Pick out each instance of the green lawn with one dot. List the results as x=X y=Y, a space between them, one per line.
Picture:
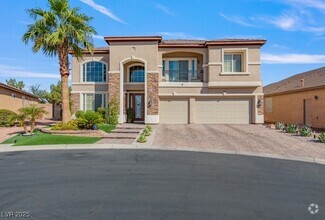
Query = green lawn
x=44 y=139
x=106 y=127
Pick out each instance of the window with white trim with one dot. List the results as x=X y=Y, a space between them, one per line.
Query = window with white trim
x=136 y=74
x=94 y=72
x=94 y=101
x=233 y=62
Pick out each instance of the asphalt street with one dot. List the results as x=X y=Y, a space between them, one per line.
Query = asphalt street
x=144 y=184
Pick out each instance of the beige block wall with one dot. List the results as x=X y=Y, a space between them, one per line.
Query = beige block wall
x=289 y=108
x=14 y=104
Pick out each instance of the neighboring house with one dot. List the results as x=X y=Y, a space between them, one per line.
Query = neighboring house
x=13 y=99
x=298 y=99
x=173 y=81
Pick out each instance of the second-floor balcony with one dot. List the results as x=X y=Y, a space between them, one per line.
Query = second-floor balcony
x=183 y=75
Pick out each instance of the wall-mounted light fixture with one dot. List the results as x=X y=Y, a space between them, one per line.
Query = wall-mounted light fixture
x=151 y=102
x=259 y=102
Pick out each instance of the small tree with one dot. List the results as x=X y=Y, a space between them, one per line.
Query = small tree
x=33 y=112
x=43 y=94
x=113 y=111
x=13 y=82
x=21 y=118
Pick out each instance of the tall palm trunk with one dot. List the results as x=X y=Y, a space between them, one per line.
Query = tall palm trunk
x=64 y=71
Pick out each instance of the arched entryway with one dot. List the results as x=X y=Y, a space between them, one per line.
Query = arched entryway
x=133 y=92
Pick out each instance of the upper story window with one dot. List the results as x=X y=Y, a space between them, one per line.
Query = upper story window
x=233 y=62
x=181 y=70
x=136 y=74
x=94 y=72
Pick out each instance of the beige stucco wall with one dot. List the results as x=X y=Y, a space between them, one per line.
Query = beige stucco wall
x=120 y=51
x=13 y=104
x=91 y=87
x=251 y=64
x=289 y=108
x=76 y=64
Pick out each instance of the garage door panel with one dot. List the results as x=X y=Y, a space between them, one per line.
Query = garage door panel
x=173 y=111
x=222 y=111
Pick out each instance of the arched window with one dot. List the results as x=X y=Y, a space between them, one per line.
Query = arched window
x=136 y=74
x=94 y=72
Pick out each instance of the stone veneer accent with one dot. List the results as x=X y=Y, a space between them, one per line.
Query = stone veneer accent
x=75 y=98
x=261 y=107
x=152 y=93
x=114 y=86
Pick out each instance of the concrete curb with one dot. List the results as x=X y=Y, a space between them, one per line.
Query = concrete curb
x=9 y=148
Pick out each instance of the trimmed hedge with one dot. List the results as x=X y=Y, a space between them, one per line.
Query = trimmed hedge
x=7 y=118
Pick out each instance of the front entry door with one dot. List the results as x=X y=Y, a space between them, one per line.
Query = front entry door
x=138 y=107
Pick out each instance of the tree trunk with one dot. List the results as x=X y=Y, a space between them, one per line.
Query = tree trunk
x=32 y=126
x=64 y=71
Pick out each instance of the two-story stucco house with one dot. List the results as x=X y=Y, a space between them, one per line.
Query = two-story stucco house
x=173 y=81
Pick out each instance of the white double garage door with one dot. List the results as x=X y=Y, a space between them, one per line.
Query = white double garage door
x=205 y=111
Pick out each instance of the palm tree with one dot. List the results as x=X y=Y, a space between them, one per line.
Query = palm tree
x=57 y=31
x=33 y=112
x=21 y=118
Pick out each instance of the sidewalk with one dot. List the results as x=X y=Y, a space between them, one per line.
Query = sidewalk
x=8 y=148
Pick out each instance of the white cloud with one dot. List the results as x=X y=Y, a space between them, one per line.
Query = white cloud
x=164 y=9
x=317 y=4
x=237 y=20
x=179 y=35
x=14 y=71
x=100 y=37
x=292 y=58
x=103 y=10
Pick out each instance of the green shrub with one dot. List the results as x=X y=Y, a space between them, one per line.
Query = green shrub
x=130 y=115
x=71 y=125
x=79 y=113
x=142 y=138
x=113 y=111
x=279 y=126
x=291 y=128
x=102 y=111
x=149 y=128
x=89 y=119
x=146 y=131
x=321 y=137
x=305 y=132
x=7 y=118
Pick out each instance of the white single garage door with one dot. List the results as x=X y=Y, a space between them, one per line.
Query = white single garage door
x=173 y=111
x=222 y=111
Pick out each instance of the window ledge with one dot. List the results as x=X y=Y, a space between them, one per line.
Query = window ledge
x=234 y=73
x=182 y=84
x=134 y=83
x=90 y=83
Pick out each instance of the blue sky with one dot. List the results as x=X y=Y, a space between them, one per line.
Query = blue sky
x=294 y=29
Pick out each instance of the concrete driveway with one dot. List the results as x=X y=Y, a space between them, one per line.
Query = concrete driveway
x=241 y=138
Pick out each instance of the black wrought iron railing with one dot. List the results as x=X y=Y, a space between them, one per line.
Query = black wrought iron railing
x=183 y=75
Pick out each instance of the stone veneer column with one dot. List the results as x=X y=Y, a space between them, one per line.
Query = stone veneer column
x=152 y=98
x=114 y=86
x=75 y=98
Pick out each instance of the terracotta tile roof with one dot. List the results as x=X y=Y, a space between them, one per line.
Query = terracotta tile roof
x=14 y=89
x=302 y=81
